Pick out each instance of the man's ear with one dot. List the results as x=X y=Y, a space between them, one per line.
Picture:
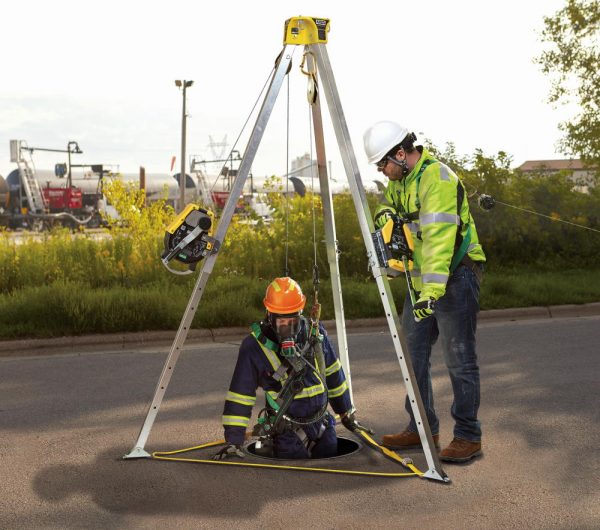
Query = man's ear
x=400 y=154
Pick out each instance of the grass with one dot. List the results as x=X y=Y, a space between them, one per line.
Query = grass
x=74 y=308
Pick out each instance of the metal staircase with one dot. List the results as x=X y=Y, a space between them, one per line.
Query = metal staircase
x=35 y=197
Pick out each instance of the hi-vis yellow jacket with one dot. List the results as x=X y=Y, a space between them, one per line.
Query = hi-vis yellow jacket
x=433 y=198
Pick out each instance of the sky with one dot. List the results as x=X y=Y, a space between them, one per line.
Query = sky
x=103 y=74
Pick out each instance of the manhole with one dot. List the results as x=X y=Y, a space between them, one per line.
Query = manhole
x=346 y=447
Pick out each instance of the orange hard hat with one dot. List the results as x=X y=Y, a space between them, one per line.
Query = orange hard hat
x=284 y=297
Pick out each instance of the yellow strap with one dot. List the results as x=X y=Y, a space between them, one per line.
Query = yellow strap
x=166 y=455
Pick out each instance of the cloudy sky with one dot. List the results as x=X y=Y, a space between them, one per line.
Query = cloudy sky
x=103 y=74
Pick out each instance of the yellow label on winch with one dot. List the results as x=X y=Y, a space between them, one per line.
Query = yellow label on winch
x=306 y=30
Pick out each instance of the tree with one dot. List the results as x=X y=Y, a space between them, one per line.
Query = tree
x=572 y=60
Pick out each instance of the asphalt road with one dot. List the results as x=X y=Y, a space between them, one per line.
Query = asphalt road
x=66 y=420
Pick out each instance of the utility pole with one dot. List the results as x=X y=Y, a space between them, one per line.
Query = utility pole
x=183 y=85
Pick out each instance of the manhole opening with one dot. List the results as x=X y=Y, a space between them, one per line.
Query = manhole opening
x=346 y=447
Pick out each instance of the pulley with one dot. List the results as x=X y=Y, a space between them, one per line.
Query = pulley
x=188 y=239
x=486 y=202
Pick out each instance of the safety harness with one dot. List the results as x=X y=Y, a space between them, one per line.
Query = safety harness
x=462 y=243
x=274 y=419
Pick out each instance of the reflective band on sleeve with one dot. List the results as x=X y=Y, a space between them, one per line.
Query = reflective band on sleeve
x=415 y=273
x=333 y=368
x=435 y=278
x=472 y=246
x=240 y=398
x=444 y=175
x=338 y=391
x=236 y=421
x=413 y=227
x=429 y=218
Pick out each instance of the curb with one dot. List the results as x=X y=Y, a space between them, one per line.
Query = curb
x=115 y=342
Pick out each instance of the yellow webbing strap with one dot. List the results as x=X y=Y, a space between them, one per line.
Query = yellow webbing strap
x=167 y=455
x=388 y=453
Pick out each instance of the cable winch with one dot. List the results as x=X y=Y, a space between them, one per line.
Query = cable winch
x=188 y=238
x=394 y=246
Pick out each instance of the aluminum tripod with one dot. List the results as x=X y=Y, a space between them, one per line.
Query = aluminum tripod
x=312 y=33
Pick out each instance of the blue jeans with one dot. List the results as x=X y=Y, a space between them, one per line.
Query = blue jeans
x=455 y=321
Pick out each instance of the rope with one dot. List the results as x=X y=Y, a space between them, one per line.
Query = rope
x=168 y=455
x=287 y=178
x=271 y=73
x=547 y=216
x=314 y=215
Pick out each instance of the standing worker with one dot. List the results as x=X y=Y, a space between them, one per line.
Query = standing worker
x=292 y=359
x=448 y=268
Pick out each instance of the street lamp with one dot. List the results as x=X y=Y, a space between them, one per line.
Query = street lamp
x=183 y=85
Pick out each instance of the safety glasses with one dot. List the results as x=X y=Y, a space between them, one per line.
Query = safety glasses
x=382 y=163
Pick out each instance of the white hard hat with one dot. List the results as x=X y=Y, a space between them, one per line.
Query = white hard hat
x=381 y=137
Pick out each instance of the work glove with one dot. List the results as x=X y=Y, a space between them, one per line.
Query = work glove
x=382 y=218
x=230 y=450
x=352 y=424
x=423 y=308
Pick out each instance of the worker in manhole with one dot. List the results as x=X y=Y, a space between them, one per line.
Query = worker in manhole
x=290 y=357
x=448 y=266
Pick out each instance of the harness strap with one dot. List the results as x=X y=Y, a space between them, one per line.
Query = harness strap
x=460 y=249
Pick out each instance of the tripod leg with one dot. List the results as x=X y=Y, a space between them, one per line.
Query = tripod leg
x=330 y=236
x=236 y=190
x=367 y=227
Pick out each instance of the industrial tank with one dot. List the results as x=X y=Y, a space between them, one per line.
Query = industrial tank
x=4 y=193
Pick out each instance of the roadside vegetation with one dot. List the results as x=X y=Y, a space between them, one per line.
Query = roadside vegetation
x=65 y=285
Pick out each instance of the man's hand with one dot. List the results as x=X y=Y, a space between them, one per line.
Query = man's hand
x=229 y=451
x=352 y=424
x=382 y=218
x=423 y=308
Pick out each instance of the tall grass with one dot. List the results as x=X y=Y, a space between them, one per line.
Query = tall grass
x=76 y=308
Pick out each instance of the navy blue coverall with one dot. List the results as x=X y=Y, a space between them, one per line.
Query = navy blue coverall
x=255 y=367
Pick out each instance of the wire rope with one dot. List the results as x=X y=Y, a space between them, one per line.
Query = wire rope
x=548 y=216
x=287 y=178
x=271 y=73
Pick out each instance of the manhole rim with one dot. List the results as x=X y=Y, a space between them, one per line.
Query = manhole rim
x=359 y=447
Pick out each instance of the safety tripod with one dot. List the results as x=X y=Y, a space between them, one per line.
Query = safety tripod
x=312 y=34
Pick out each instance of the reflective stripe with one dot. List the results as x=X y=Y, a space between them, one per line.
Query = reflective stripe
x=333 y=368
x=275 y=286
x=338 y=391
x=413 y=227
x=240 y=398
x=236 y=421
x=444 y=174
x=271 y=355
x=431 y=277
x=472 y=246
x=310 y=391
x=415 y=273
x=305 y=393
x=438 y=217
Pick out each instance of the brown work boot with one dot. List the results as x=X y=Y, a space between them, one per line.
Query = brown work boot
x=460 y=450
x=406 y=440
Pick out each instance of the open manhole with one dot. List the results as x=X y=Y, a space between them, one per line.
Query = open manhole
x=346 y=447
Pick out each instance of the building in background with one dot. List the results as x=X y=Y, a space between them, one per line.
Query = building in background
x=583 y=176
